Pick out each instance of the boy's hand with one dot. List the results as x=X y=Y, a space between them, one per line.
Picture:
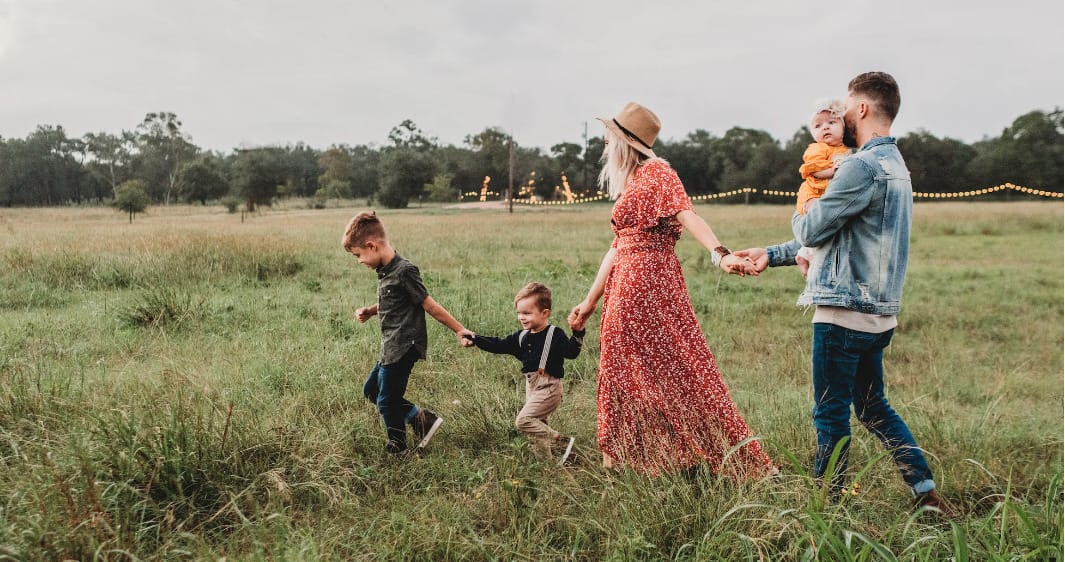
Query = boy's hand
x=572 y=321
x=365 y=313
x=465 y=337
x=580 y=315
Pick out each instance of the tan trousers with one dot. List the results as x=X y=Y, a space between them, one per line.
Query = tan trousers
x=543 y=395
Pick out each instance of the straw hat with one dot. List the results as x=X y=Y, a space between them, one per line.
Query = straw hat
x=637 y=126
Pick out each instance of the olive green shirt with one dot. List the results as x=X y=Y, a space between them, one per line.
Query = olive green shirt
x=400 y=294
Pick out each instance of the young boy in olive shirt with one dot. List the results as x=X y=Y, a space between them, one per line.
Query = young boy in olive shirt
x=402 y=301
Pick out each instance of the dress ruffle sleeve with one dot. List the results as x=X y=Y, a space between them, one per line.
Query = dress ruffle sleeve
x=656 y=193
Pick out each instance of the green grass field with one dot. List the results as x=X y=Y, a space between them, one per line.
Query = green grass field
x=188 y=386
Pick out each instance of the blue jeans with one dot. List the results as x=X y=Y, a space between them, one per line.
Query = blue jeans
x=385 y=387
x=848 y=367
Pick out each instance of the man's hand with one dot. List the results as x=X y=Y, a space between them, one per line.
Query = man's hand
x=803 y=263
x=739 y=265
x=758 y=256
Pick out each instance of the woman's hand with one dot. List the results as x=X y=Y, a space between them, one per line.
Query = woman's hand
x=580 y=314
x=737 y=265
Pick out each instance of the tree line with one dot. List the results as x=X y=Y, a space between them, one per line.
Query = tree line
x=157 y=162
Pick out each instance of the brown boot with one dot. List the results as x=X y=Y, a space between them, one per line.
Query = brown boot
x=934 y=500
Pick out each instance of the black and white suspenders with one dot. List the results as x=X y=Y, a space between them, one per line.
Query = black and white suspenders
x=547 y=346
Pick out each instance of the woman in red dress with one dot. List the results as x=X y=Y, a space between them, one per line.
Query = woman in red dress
x=662 y=405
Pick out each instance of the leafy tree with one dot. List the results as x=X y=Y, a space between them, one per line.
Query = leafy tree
x=692 y=159
x=1032 y=149
x=404 y=173
x=743 y=155
x=492 y=148
x=408 y=135
x=256 y=175
x=162 y=147
x=937 y=164
x=441 y=189
x=364 y=175
x=109 y=157
x=567 y=156
x=592 y=156
x=131 y=197
x=337 y=169
x=301 y=170
x=202 y=179
x=785 y=176
x=43 y=169
x=462 y=166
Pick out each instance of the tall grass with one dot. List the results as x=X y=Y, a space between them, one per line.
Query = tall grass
x=189 y=387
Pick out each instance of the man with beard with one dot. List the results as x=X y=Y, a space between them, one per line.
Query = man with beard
x=860 y=232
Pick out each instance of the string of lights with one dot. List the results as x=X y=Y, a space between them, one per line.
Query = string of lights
x=989 y=190
x=780 y=193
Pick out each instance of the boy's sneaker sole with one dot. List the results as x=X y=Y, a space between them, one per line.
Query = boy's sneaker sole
x=432 y=431
x=567 y=452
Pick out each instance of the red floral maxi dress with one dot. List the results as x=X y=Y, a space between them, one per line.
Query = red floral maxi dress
x=662 y=405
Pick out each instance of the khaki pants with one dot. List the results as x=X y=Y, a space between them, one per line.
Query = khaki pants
x=543 y=395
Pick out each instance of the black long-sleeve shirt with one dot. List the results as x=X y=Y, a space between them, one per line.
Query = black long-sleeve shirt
x=531 y=349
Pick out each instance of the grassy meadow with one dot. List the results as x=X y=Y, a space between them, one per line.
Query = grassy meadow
x=188 y=387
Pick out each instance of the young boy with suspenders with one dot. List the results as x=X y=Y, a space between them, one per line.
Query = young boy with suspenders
x=542 y=349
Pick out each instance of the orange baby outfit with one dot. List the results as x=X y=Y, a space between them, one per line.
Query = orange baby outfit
x=662 y=404
x=818 y=157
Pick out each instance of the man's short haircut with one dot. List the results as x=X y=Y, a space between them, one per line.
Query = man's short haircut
x=880 y=89
x=365 y=226
x=538 y=290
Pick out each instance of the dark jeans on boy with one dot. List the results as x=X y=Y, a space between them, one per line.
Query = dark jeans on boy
x=848 y=368
x=385 y=387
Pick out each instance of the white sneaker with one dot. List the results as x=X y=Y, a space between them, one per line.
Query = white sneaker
x=567 y=452
x=430 y=419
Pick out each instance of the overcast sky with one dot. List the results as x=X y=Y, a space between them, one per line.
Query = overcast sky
x=325 y=72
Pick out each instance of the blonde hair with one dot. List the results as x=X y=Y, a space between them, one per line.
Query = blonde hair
x=365 y=226
x=619 y=162
x=538 y=290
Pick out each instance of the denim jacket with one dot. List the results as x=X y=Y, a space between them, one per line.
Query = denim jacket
x=860 y=232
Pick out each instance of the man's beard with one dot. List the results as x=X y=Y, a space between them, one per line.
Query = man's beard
x=850 y=139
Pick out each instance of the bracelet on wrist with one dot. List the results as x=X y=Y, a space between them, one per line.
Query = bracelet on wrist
x=718 y=253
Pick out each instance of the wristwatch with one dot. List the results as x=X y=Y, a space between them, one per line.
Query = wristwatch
x=718 y=253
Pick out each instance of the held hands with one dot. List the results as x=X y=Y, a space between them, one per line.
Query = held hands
x=739 y=265
x=465 y=337
x=580 y=315
x=758 y=257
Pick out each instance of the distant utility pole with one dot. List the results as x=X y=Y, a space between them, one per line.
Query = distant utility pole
x=510 y=175
x=584 y=159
